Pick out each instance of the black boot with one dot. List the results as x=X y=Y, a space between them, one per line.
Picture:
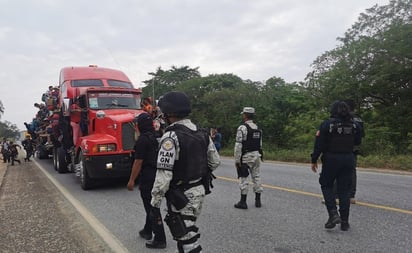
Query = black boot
x=242 y=203
x=146 y=235
x=344 y=226
x=334 y=219
x=156 y=245
x=257 y=200
x=344 y=216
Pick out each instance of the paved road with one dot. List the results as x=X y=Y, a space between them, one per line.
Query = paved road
x=291 y=219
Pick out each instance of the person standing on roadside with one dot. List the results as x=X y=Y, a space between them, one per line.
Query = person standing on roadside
x=145 y=153
x=335 y=140
x=5 y=150
x=248 y=154
x=216 y=137
x=28 y=145
x=186 y=158
x=14 y=152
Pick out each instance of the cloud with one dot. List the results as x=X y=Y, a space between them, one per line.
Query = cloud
x=255 y=40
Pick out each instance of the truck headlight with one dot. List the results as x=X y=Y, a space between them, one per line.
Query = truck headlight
x=105 y=148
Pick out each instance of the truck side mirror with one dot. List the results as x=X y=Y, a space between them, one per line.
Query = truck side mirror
x=66 y=107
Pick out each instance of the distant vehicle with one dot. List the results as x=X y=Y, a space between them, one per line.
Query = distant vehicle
x=97 y=133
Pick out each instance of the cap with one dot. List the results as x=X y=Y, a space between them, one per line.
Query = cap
x=248 y=110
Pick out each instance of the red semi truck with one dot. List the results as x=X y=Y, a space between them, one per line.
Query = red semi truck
x=97 y=132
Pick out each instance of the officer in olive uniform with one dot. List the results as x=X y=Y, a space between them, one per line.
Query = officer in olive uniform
x=335 y=140
x=248 y=153
x=185 y=160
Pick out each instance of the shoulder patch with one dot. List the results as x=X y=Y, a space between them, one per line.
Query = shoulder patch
x=318 y=133
x=167 y=144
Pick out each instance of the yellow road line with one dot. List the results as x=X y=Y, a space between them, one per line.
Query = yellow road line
x=387 y=208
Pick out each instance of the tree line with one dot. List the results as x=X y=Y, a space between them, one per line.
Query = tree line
x=372 y=65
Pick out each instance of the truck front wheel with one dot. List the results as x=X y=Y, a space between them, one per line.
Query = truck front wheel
x=55 y=163
x=61 y=163
x=85 y=181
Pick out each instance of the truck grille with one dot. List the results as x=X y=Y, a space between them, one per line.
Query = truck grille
x=128 y=136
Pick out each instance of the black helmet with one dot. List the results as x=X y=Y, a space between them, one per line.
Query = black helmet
x=175 y=102
x=144 y=122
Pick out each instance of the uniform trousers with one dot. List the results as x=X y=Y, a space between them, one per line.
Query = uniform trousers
x=189 y=242
x=252 y=159
x=149 y=227
x=339 y=167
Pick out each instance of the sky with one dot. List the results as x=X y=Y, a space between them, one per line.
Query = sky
x=253 y=39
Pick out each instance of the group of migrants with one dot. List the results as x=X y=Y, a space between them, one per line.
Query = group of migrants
x=9 y=151
x=43 y=129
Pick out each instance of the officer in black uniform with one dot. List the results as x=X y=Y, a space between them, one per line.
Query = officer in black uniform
x=145 y=153
x=335 y=140
x=185 y=160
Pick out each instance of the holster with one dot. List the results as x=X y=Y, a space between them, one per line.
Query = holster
x=177 y=198
x=243 y=170
x=207 y=181
x=176 y=224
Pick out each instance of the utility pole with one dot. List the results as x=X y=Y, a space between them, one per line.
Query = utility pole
x=153 y=93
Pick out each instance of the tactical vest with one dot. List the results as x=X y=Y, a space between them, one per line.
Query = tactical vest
x=192 y=163
x=341 y=136
x=253 y=140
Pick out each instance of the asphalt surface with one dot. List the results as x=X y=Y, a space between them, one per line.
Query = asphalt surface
x=34 y=217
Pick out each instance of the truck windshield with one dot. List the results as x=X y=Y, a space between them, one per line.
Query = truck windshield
x=113 y=100
x=87 y=83
x=115 y=83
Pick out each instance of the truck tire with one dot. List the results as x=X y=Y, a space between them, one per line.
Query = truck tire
x=61 y=162
x=85 y=181
x=55 y=158
x=42 y=152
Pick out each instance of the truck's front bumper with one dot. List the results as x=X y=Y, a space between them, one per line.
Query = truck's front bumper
x=108 y=166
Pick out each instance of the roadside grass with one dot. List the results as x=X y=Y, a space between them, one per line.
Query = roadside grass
x=396 y=162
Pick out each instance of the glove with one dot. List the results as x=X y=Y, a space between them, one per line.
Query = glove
x=154 y=215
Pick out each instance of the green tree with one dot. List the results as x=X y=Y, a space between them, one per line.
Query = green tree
x=373 y=67
x=8 y=130
x=281 y=105
x=1 y=109
x=217 y=101
x=164 y=81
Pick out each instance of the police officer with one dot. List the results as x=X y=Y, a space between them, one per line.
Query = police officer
x=248 y=152
x=145 y=153
x=335 y=140
x=186 y=157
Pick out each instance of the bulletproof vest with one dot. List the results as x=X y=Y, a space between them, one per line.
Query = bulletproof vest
x=253 y=140
x=192 y=163
x=341 y=136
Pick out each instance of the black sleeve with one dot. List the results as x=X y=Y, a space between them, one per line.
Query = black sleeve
x=140 y=147
x=320 y=142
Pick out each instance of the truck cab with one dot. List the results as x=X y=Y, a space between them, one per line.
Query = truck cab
x=96 y=121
